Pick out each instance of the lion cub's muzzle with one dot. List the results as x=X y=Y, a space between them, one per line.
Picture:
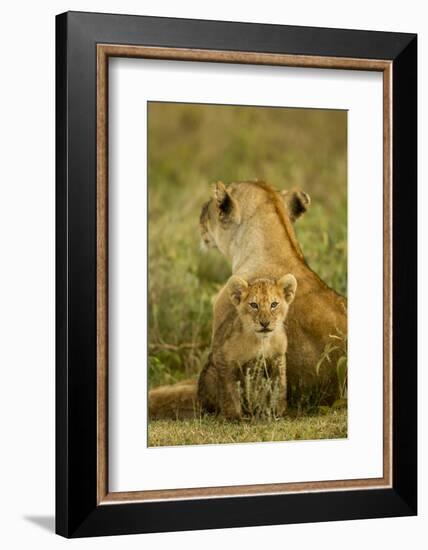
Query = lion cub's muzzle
x=265 y=327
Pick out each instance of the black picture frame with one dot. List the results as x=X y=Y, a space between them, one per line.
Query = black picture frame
x=77 y=511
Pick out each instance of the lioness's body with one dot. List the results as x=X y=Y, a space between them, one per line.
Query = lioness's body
x=175 y=401
x=252 y=332
x=251 y=224
x=261 y=242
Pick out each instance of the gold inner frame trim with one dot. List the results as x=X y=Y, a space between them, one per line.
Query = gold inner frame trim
x=104 y=51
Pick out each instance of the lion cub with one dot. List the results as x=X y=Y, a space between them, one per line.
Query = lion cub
x=254 y=330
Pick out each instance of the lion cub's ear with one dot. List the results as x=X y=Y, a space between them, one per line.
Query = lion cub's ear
x=296 y=201
x=227 y=208
x=288 y=284
x=237 y=289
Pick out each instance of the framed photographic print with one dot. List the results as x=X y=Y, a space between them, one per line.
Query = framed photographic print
x=236 y=274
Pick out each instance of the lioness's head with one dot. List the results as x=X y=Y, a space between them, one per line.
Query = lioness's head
x=262 y=304
x=233 y=206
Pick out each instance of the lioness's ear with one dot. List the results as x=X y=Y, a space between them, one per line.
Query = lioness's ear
x=237 y=289
x=297 y=202
x=288 y=284
x=227 y=208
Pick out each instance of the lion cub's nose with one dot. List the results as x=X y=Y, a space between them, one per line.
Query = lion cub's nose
x=264 y=324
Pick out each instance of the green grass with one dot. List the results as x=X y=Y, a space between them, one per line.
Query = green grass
x=209 y=430
x=190 y=147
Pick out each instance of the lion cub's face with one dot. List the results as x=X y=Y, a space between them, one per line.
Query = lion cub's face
x=262 y=304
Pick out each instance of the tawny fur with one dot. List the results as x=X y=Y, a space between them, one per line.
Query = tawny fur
x=178 y=401
x=251 y=224
x=253 y=331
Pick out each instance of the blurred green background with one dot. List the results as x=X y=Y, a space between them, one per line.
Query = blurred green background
x=189 y=147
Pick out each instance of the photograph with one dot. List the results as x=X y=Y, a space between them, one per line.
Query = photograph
x=235 y=276
x=212 y=286
x=247 y=273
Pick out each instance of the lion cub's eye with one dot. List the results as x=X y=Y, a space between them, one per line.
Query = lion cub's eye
x=254 y=305
x=274 y=305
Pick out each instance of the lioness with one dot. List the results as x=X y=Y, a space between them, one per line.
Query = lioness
x=251 y=224
x=253 y=330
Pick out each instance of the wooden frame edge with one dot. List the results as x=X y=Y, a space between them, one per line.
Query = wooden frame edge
x=102 y=274
x=248 y=58
x=387 y=274
x=103 y=52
